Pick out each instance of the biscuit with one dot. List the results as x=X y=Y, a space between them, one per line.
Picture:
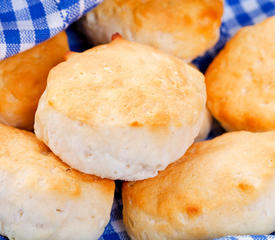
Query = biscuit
x=23 y=79
x=225 y=186
x=241 y=80
x=121 y=110
x=185 y=28
x=42 y=198
x=206 y=126
x=206 y=122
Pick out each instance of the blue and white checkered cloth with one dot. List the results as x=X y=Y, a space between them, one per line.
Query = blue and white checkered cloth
x=24 y=23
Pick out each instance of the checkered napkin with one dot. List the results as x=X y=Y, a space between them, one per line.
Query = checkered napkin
x=25 y=23
x=28 y=22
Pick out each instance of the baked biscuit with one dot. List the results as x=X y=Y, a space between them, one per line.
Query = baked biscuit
x=206 y=126
x=42 y=198
x=23 y=79
x=185 y=28
x=121 y=110
x=206 y=122
x=225 y=186
x=241 y=80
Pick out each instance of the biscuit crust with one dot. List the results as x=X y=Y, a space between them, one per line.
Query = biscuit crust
x=125 y=106
x=23 y=79
x=43 y=198
x=220 y=187
x=241 y=80
x=185 y=28
x=119 y=84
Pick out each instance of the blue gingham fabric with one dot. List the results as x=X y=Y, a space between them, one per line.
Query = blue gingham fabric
x=237 y=13
x=25 y=23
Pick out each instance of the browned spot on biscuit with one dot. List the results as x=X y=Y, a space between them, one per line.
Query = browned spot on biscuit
x=193 y=211
x=136 y=124
x=45 y=151
x=50 y=103
x=251 y=121
x=59 y=210
x=160 y=119
x=211 y=13
x=245 y=187
x=187 y=20
x=208 y=18
x=69 y=54
x=116 y=36
x=64 y=186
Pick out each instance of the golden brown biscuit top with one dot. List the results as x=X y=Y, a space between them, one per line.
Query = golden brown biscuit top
x=37 y=168
x=229 y=171
x=126 y=83
x=23 y=78
x=19 y=79
x=241 y=80
x=199 y=16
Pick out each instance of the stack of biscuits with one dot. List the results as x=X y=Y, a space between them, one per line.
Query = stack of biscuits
x=133 y=108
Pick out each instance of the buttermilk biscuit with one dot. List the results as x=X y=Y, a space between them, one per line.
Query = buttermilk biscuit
x=241 y=80
x=206 y=125
x=23 y=79
x=225 y=186
x=185 y=28
x=42 y=198
x=121 y=110
x=206 y=122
